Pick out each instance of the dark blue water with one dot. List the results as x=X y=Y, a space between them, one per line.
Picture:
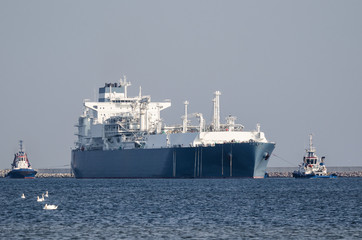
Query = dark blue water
x=182 y=208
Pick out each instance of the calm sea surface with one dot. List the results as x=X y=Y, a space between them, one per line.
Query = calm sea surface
x=182 y=208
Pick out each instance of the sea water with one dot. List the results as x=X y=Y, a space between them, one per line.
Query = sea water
x=182 y=208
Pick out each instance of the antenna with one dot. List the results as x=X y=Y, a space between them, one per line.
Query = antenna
x=21 y=145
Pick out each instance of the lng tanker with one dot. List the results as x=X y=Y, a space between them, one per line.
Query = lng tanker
x=125 y=137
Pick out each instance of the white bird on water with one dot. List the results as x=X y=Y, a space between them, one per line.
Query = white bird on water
x=39 y=199
x=46 y=194
x=50 y=207
x=23 y=196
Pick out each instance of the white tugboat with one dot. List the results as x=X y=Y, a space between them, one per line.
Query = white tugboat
x=21 y=166
x=312 y=166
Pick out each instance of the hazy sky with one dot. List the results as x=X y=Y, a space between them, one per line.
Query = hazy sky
x=295 y=67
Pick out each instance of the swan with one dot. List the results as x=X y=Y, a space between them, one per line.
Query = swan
x=23 y=196
x=46 y=194
x=39 y=199
x=50 y=207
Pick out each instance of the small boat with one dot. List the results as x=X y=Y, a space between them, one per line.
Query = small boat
x=20 y=168
x=312 y=166
x=50 y=207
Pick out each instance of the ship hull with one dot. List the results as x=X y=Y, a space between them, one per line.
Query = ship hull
x=229 y=160
x=22 y=173
x=301 y=175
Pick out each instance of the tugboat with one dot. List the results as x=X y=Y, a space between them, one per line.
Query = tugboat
x=312 y=166
x=21 y=167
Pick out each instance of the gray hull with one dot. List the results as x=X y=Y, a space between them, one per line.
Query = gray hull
x=222 y=160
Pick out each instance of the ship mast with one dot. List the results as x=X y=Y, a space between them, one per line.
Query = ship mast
x=311 y=148
x=184 y=123
x=125 y=84
x=21 y=145
x=216 y=118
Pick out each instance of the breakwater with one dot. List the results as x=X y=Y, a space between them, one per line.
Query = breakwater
x=339 y=174
x=45 y=173
x=274 y=172
x=54 y=175
x=286 y=172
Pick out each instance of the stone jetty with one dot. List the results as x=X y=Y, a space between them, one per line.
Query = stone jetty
x=339 y=174
x=3 y=173
x=285 y=173
x=45 y=173
x=54 y=175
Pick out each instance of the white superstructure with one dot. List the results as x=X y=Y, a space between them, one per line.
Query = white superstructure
x=21 y=159
x=312 y=165
x=117 y=121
